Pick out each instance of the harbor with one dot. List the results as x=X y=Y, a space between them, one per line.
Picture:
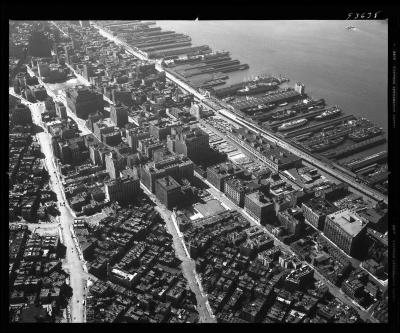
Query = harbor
x=199 y=65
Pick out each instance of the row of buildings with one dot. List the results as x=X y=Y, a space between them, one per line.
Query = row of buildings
x=38 y=287
x=139 y=277
x=249 y=279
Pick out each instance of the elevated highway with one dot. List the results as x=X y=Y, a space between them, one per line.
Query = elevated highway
x=222 y=109
x=329 y=169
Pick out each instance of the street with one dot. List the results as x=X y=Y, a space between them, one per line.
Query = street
x=310 y=159
x=332 y=288
x=72 y=263
x=188 y=265
x=215 y=104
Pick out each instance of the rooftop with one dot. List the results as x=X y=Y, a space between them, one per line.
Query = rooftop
x=349 y=221
x=259 y=199
x=320 y=206
x=225 y=168
x=168 y=183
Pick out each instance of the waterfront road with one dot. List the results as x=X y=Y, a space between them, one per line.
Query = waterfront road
x=73 y=265
x=137 y=53
x=188 y=265
x=219 y=107
x=340 y=175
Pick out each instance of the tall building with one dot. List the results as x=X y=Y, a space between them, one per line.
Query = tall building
x=124 y=189
x=176 y=166
x=293 y=220
x=316 y=210
x=43 y=69
x=191 y=142
x=260 y=207
x=112 y=138
x=119 y=115
x=87 y=71
x=159 y=129
x=83 y=101
x=148 y=146
x=102 y=127
x=168 y=191
x=112 y=165
x=21 y=115
x=61 y=110
x=133 y=136
x=218 y=174
x=95 y=154
x=347 y=230
x=236 y=189
x=92 y=119
x=67 y=54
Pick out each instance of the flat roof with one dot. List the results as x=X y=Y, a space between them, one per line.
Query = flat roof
x=255 y=197
x=209 y=208
x=168 y=182
x=349 y=221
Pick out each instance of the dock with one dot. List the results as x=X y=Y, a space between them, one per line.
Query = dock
x=357 y=147
x=316 y=127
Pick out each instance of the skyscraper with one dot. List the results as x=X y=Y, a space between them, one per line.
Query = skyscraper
x=119 y=115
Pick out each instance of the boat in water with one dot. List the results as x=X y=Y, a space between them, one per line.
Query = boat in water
x=365 y=133
x=281 y=115
x=257 y=88
x=327 y=144
x=328 y=114
x=307 y=103
x=350 y=27
x=292 y=124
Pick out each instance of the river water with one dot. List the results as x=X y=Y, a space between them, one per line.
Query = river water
x=347 y=68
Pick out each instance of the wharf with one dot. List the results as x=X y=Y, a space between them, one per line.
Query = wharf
x=308 y=116
x=210 y=69
x=231 y=90
x=374 y=158
x=316 y=127
x=282 y=96
x=165 y=46
x=354 y=148
x=378 y=178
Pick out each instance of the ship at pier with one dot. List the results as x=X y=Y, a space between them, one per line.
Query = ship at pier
x=292 y=124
